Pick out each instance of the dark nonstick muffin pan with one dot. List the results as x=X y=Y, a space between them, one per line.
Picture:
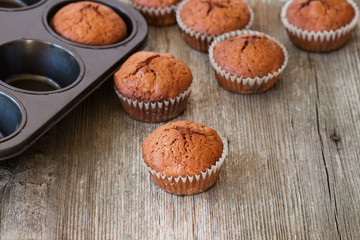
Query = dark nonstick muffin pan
x=43 y=76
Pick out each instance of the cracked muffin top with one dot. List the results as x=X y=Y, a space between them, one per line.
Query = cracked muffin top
x=182 y=148
x=89 y=23
x=214 y=17
x=151 y=77
x=249 y=55
x=320 y=15
x=156 y=3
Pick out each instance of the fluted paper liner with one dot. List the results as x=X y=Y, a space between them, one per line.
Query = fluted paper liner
x=189 y=185
x=197 y=40
x=236 y=83
x=157 y=16
x=319 y=41
x=155 y=111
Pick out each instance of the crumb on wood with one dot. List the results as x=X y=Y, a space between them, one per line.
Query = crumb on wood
x=255 y=4
x=335 y=138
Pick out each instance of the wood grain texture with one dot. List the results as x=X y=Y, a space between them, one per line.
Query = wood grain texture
x=293 y=169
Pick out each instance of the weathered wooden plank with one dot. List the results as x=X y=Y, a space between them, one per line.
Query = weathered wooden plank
x=292 y=171
x=337 y=129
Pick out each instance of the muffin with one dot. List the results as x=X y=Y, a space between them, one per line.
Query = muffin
x=153 y=87
x=184 y=150
x=89 y=23
x=247 y=61
x=157 y=12
x=319 y=26
x=201 y=21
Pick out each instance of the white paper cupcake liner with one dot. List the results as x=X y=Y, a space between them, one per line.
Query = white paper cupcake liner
x=322 y=36
x=199 y=36
x=155 y=11
x=190 y=184
x=241 y=80
x=155 y=111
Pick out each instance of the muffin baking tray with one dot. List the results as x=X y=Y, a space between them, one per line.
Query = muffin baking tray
x=42 y=76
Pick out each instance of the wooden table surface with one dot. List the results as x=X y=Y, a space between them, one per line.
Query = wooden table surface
x=292 y=171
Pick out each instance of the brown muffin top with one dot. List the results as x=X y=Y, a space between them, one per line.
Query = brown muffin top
x=320 y=15
x=182 y=148
x=156 y=3
x=89 y=23
x=249 y=55
x=151 y=77
x=214 y=17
